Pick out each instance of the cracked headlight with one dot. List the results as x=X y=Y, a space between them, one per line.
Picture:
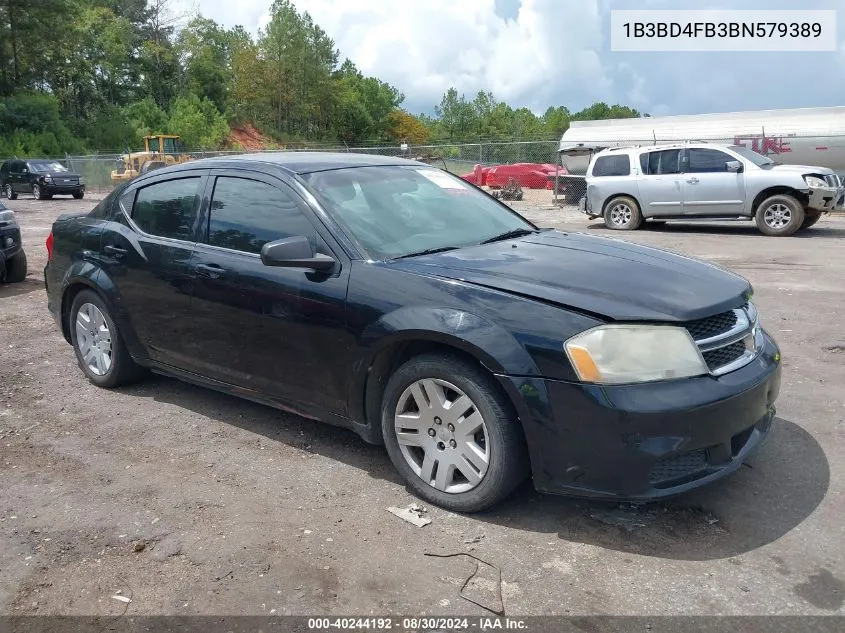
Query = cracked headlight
x=616 y=354
x=814 y=182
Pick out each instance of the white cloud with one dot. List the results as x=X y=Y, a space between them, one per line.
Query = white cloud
x=553 y=52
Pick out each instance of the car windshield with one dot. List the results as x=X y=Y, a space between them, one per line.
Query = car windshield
x=45 y=167
x=396 y=211
x=754 y=157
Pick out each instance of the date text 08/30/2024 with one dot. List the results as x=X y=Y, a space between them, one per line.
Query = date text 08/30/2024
x=417 y=624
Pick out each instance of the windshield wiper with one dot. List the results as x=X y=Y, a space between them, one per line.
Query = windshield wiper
x=508 y=235
x=428 y=251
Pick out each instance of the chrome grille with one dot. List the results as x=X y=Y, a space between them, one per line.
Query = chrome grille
x=712 y=326
x=728 y=340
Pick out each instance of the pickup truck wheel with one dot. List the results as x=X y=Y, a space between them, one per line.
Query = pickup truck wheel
x=11 y=195
x=38 y=193
x=78 y=195
x=16 y=268
x=779 y=216
x=810 y=220
x=622 y=214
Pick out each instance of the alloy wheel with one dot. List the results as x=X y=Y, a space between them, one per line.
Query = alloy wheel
x=442 y=435
x=777 y=216
x=93 y=339
x=621 y=214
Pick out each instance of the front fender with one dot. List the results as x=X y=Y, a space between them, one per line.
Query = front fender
x=490 y=343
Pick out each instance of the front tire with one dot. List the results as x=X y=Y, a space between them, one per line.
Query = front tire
x=78 y=195
x=100 y=350
x=452 y=434
x=11 y=195
x=16 y=268
x=622 y=213
x=38 y=192
x=779 y=216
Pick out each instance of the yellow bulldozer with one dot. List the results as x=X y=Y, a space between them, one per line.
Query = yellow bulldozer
x=160 y=150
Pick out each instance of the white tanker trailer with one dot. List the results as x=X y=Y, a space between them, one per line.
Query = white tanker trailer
x=803 y=136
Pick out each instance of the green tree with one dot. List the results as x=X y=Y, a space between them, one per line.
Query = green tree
x=198 y=122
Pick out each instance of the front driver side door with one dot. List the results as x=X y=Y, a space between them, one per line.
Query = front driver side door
x=709 y=188
x=280 y=332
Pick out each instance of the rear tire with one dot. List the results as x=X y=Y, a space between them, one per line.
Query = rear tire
x=11 y=195
x=16 y=268
x=431 y=457
x=622 y=213
x=779 y=215
x=91 y=325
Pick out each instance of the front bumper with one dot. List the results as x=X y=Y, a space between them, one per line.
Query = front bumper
x=824 y=199
x=60 y=188
x=645 y=441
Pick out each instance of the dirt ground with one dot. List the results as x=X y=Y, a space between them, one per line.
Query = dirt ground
x=239 y=509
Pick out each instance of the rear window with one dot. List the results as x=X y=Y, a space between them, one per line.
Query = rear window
x=167 y=208
x=614 y=165
x=661 y=162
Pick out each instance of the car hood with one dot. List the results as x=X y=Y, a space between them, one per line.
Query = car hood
x=601 y=276
x=804 y=169
x=57 y=174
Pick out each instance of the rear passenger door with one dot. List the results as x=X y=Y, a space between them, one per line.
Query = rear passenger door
x=660 y=184
x=277 y=331
x=145 y=252
x=709 y=188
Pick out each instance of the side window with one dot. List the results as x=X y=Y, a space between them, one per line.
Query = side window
x=246 y=214
x=707 y=160
x=613 y=165
x=167 y=208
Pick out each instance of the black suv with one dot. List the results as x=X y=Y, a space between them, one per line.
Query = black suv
x=12 y=257
x=42 y=178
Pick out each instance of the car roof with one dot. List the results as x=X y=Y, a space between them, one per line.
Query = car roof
x=300 y=162
x=667 y=146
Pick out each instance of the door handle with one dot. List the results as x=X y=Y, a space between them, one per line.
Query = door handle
x=111 y=249
x=693 y=180
x=212 y=271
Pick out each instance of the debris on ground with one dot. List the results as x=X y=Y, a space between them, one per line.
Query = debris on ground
x=498 y=605
x=121 y=598
x=139 y=545
x=413 y=514
x=474 y=539
x=628 y=517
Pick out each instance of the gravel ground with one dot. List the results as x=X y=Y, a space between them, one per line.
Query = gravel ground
x=187 y=501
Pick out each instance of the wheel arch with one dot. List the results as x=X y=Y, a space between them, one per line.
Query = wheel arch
x=626 y=195
x=87 y=276
x=372 y=372
x=777 y=190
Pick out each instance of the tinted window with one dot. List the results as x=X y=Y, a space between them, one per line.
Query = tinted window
x=707 y=160
x=615 y=165
x=104 y=207
x=662 y=162
x=246 y=214
x=393 y=211
x=167 y=208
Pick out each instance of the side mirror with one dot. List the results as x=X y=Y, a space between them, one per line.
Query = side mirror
x=734 y=166
x=24 y=170
x=294 y=252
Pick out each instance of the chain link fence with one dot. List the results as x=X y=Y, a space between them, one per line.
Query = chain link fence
x=529 y=170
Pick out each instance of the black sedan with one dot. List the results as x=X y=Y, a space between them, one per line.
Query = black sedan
x=395 y=299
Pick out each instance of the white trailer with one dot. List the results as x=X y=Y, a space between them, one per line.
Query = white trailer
x=803 y=136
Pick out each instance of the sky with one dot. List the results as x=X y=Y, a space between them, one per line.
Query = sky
x=541 y=53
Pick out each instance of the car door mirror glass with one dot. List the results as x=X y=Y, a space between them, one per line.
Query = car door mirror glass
x=734 y=166
x=294 y=252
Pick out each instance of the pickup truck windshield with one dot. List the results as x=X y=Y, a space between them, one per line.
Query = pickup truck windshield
x=754 y=157
x=396 y=211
